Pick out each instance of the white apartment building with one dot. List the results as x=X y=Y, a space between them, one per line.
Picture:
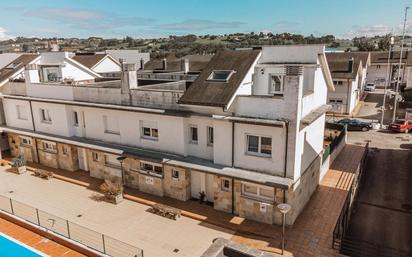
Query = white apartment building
x=247 y=133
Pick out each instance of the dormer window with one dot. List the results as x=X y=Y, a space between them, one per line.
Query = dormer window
x=220 y=75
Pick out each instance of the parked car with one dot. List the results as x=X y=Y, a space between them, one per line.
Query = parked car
x=355 y=125
x=401 y=125
x=370 y=87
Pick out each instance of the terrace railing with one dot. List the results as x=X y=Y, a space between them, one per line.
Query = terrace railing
x=85 y=236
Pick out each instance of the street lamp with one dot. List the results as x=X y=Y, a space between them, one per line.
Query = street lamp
x=283 y=208
x=400 y=65
x=388 y=80
x=121 y=159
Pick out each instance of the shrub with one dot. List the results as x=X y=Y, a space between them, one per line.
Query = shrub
x=19 y=161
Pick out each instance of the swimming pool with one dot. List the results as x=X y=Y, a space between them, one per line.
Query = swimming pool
x=9 y=247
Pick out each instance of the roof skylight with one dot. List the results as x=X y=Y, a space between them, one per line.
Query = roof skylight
x=220 y=75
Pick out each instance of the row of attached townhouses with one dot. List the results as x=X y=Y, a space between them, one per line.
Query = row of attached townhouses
x=246 y=127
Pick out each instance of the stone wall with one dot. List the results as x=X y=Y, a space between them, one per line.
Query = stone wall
x=67 y=157
x=131 y=168
x=256 y=210
x=151 y=184
x=47 y=158
x=177 y=188
x=222 y=199
x=98 y=168
x=16 y=148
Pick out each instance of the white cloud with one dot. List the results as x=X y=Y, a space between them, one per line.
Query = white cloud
x=368 y=31
x=193 y=25
x=4 y=35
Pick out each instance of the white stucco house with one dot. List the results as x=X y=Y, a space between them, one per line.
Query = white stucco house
x=103 y=64
x=348 y=70
x=246 y=135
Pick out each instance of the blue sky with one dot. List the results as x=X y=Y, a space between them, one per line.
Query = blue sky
x=156 y=18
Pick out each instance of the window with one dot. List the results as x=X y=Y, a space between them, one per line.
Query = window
x=75 y=118
x=175 y=174
x=151 y=169
x=149 y=130
x=111 y=125
x=193 y=135
x=150 y=133
x=220 y=75
x=49 y=146
x=225 y=184
x=45 y=116
x=65 y=150
x=51 y=73
x=259 y=145
x=338 y=101
x=25 y=141
x=337 y=83
x=210 y=136
x=258 y=192
x=276 y=84
x=21 y=112
x=95 y=157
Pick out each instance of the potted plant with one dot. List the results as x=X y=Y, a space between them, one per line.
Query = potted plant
x=113 y=191
x=20 y=164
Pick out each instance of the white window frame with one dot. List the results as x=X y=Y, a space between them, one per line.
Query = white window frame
x=175 y=174
x=191 y=128
x=152 y=171
x=28 y=139
x=259 y=152
x=21 y=112
x=258 y=196
x=49 y=146
x=272 y=88
x=45 y=116
x=210 y=135
x=338 y=82
x=65 y=150
x=223 y=187
x=210 y=78
x=95 y=156
x=153 y=133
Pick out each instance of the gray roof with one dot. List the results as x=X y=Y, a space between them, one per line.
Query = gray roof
x=213 y=93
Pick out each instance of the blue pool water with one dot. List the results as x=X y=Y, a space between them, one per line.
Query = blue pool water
x=12 y=248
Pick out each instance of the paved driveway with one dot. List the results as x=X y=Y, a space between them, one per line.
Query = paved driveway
x=127 y=221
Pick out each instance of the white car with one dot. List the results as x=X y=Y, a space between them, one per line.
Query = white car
x=370 y=87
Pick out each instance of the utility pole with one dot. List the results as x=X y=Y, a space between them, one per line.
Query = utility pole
x=400 y=65
x=388 y=79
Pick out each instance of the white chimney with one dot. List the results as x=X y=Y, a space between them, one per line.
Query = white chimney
x=129 y=77
x=184 y=65
x=31 y=74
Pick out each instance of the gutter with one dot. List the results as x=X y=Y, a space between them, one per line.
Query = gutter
x=286 y=157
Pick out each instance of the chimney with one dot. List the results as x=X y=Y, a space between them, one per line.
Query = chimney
x=31 y=74
x=129 y=76
x=350 y=65
x=184 y=65
x=141 y=64
x=164 y=62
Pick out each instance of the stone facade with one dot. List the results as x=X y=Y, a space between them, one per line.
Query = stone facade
x=47 y=157
x=131 y=168
x=29 y=151
x=151 y=184
x=176 y=187
x=98 y=167
x=67 y=157
x=222 y=198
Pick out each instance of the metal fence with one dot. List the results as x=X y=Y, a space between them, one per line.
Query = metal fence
x=85 y=236
x=342 y=223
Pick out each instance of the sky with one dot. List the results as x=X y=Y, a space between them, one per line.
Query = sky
x=161 y=18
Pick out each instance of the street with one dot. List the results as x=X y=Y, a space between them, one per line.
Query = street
x=382 y=216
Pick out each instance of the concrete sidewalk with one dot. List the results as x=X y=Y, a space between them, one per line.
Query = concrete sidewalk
x=311 y=235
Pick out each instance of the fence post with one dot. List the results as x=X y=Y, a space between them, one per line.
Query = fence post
x=38 y=218
x=68 y=229
x=104 y=244
x=11 y=206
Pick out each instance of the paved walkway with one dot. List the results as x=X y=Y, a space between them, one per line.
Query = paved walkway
x=34 y=240
x=311 y=235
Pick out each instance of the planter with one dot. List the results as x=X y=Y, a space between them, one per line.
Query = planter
x=21 y=170
x=115 y=198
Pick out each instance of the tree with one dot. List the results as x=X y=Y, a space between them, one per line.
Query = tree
x=385 y=42
x=363 y=44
